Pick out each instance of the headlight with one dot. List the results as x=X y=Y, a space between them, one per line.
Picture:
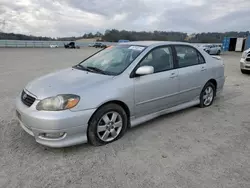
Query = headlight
x=59 y=102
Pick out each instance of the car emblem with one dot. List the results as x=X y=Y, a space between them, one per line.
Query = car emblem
x=24 y=96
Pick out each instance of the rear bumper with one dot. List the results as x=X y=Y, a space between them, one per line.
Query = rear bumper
x=220 y=84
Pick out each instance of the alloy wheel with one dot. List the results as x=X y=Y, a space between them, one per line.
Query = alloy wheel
x=208 y=96
x=109 y=126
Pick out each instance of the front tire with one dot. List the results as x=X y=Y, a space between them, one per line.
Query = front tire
x=207 y=95
x=109 y=123
x=218 y=53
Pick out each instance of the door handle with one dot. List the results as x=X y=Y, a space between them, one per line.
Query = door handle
x=203 y=68
x=173 y=75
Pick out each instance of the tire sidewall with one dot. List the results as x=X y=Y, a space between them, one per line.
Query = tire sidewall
x=93 y=123
x=209 y=84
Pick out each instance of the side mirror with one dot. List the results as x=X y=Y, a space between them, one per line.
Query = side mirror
x=144 y=70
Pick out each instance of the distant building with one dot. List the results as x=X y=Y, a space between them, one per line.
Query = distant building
x=236 y=44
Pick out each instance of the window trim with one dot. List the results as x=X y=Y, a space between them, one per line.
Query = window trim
x=133 y=74
x=197 y=52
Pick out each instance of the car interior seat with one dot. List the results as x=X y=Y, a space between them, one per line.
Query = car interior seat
x=161 y=60
x=190 y=59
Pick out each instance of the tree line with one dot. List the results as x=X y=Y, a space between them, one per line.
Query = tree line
x=115 y=35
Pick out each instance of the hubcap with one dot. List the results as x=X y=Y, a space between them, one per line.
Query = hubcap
x=208 y=96
x=109 y=126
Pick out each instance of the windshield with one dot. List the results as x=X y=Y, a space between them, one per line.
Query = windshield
x=112 y=60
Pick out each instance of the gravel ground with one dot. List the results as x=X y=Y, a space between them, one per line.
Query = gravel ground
x=196 y=148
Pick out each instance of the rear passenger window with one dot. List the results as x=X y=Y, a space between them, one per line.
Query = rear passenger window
x=188 y=56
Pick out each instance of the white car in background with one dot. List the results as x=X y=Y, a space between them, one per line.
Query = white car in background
x=245 y=61
x=212 y=49
x=53 y=46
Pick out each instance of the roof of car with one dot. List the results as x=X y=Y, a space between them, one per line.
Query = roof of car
x=150 y=43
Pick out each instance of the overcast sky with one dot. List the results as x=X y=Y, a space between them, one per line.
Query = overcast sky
x=75 y=17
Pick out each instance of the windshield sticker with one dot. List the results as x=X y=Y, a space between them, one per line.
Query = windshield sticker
x=138 y=48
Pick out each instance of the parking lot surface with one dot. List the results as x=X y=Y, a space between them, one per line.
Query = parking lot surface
x=193 y=148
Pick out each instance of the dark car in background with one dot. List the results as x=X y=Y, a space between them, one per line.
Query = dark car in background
x=71 y=45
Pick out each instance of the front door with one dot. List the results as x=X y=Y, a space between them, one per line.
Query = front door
x=159 y=90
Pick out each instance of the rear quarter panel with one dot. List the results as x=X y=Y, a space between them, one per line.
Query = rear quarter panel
x=216 y=70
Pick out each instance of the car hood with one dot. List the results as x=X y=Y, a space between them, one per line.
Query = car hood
x=66 y=81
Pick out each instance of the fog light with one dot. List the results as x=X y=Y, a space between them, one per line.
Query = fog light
x=52 y=135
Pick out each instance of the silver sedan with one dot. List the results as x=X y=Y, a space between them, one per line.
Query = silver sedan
x=119 y=87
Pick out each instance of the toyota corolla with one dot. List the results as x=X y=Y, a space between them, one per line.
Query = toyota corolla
x=119 y=87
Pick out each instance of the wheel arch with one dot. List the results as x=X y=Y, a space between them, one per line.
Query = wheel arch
x=214 y=82
x=118 y=102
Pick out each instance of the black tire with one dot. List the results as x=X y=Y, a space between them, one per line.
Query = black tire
x=93 y=138
x=202 y=102
x=218 y=53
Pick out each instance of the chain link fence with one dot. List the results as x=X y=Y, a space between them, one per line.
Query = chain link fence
x=41 y=44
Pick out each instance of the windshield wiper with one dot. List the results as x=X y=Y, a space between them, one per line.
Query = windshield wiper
x=90 y=69
x=94 y=69
x=81 y=67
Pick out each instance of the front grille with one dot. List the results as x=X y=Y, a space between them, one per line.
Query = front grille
x=27 y=99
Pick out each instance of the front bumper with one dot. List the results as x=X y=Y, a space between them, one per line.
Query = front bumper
x=244 y=65
x=73 y=125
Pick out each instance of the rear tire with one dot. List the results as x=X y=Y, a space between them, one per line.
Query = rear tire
x=109 y=123
x=207 y=95
x=218 y=53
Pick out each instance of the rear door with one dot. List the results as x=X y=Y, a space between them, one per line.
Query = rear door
x=192 y=72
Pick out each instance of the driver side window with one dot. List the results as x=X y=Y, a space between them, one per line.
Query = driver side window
x=160 y=58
